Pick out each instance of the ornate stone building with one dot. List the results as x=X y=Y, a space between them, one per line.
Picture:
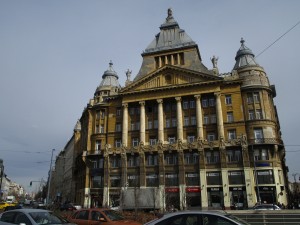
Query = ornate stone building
x=180 y=134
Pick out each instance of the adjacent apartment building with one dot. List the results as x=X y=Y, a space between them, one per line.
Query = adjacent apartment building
x=179 y=134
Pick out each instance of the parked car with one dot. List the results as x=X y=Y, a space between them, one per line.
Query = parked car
x=198 y=217
x=67 y=207
x=31 y=216
x=96 y=215
x=39 y=205
x=266 y=207
x=3 y=205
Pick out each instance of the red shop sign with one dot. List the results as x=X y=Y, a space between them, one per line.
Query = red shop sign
x=172 y=189
x=193 y=189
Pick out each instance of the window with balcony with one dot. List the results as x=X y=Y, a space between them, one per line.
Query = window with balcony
x=258 y=135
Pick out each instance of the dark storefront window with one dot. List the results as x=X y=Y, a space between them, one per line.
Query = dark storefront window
x=171 y=179
x=115 y=181
x=97 y=181
x=152 y=180
x=213 y=178
x=192 y=179
x=236 y=177
x=265 y=177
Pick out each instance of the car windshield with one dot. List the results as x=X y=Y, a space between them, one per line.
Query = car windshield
x=240 y=221
x=47 y=218
x=113 y=215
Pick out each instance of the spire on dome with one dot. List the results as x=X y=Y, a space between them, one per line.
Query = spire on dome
x=244 y=57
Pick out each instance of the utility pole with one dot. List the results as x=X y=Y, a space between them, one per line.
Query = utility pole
x=49 y=178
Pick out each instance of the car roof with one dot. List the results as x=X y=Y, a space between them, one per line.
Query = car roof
x=222 y=213
x=29 y=210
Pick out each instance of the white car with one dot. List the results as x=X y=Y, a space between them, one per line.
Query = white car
x=32 y=217
x=198 y=217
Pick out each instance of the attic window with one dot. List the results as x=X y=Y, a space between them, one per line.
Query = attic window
x=168 y=79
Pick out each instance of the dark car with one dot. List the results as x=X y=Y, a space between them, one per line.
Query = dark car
x=196 y=218
x=67 y=207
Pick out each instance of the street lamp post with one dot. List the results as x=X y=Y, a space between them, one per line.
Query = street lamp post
x=1 y=176
x=49 y=178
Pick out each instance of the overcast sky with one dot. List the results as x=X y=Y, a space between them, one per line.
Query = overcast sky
x=53 y=54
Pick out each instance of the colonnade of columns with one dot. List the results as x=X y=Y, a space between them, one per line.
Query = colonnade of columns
x=161 y=139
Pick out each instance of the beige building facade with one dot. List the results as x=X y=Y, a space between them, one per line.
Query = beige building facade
x=180 y=134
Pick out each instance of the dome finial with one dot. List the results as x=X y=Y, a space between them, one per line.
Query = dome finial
x=170 y=14
x=242 y=41
x=110 y=63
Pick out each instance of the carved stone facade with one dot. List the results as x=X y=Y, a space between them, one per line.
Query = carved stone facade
x=180 y=134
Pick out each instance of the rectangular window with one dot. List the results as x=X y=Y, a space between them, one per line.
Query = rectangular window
x=171 y=140
x=97 y=181
x=193 y=120
x=192 y=179
x=133 y=161
x=167 y=107
x=152 y=180
x=192 y=104
x=137 y=125
x=212 y=157
x=102 y=114
x=204 y=103
x=135 y=142
x=233 y=156
x=231 y=134
x=118 y=127
x=213 y=178
x=133 y=180
x=213 y=119
x=97 y=129
x=249 y=98
x=171 y=159
x=98 y=114
x=131 y=111
x=211 y=136
x=261 y=154
x=118 y=112
x=236 y=177
x=258 y=135
x=155 y=124
x=229 y=117
x=191 y=158
x=186 y=121
x=190 y=138
x=115 y=161
x=115 y=180
x=149 y=124
x=212 y=102
x=228 y=100
x=185 y=104
x=265 y=177
x=153 y=141
x=168 y=123
x=174 y=122
x=259 y=114
x=256 y=97
x=132 y=126
x=251 y=115
x=98 y=145
x=206 y=119
x=152 y=160
x=101 y=129
x=118 y=143
x=171 y=179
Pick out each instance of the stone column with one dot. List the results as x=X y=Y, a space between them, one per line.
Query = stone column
x=160 y=121
x=142 y=122
x=179 y=119
x=219 y=115
x=199 y=117
x=125 y=125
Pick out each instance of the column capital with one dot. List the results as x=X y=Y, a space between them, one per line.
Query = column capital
x=142 y=103
x=197 y=96
x=178 y=99
x=159 y=101
x=217 y=94
x=125 y=105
